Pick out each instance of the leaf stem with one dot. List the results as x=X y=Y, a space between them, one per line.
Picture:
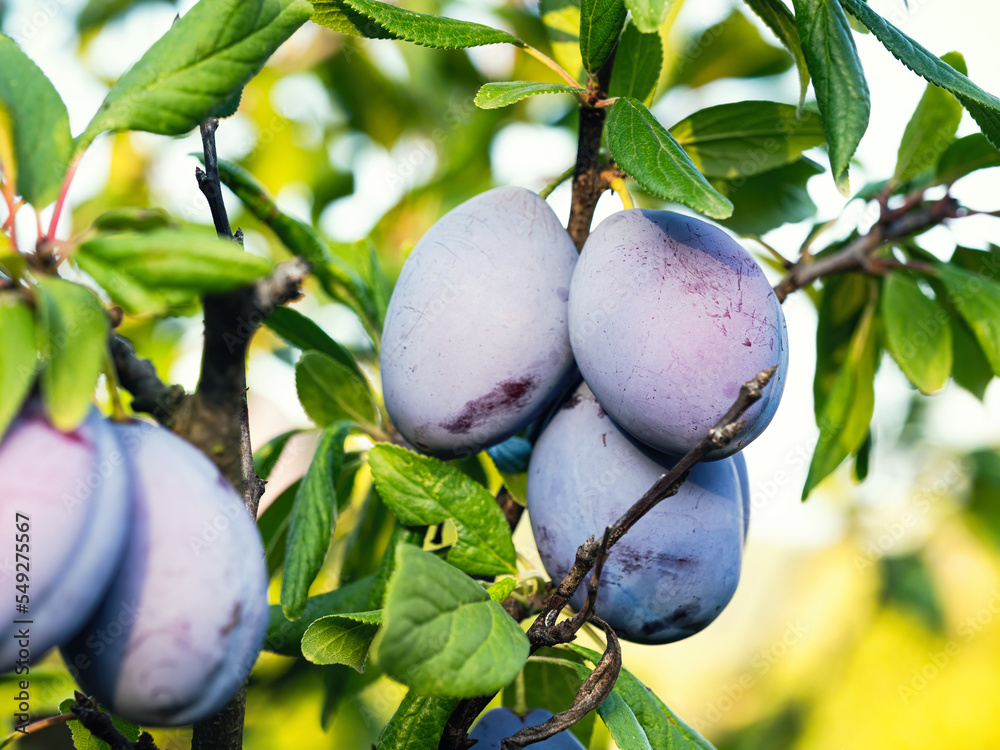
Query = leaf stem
x=618 y=185
x=552 y=64
x=61 y=200
x=546 y=191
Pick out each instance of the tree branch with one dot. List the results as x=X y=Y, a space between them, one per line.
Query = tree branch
x=100 y=725
x=150 y=395
x=893 y=225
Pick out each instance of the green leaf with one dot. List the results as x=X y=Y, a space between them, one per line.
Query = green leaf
x=500 y=590
x=645 y=150
x=443 y=634
x=337 y=280
x=418 y=723
x=378 y=20
x=917 y=332
x=983 y=106
x=330 y=392
x=931 y=129
x=908 y=584
x=35 y=140
x=84 y=740
x=305 y=334
x=622 y=724
x=732 y=48
x=265 y=457
x=135 y=268
x=638 y=62
x=198 y=68
x=273 y=525
x=847 y=413
x=767 y=201
x=341 y=639
x=387 y=567
x=746 y=138
x=965 y=156
x=549 y=683
x=972 y=370
x=73 y=330
x=841 y=306
x=978 y=301
x=18 y=356
x=423 y=491
x=647 y=15
x=312 y=519
x=505 y=93
x=838 y=78
x=284 y=636
x=777 y=17
x=601 y=22
x=133 y=219
x=562 y=25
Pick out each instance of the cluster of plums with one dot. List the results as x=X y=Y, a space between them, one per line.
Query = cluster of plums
x=494 y=319
x=142 y=566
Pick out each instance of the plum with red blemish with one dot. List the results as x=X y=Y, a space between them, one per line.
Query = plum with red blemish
x=68 y=493
x=496 y=725
x=475 y=342
x=184 y=619
x=668 y=317
x=673 y=573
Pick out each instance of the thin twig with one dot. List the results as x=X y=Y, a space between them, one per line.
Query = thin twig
x=100 y=725
x=150 y=395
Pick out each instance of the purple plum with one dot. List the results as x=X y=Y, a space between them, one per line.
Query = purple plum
x=185 y=617
x=672 y=574
x=500 y=723
x=741 y=470
x=475 y=343
x=65 y=506
x=668 y=317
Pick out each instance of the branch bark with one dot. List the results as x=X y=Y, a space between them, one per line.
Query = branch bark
x=100 y=725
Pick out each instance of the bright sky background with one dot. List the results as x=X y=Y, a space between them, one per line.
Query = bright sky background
x=529 y=155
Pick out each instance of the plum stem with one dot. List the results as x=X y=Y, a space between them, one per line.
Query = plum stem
x=892 y=226
x=61 y=200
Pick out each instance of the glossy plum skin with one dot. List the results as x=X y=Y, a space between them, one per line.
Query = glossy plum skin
x=73 y=488
x=741 y=471
x=678 y=567
x=184 y=619
x=475 y=342
x=668 y=317
x=500 y=723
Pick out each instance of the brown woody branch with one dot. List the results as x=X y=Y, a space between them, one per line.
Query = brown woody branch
x=892 y=226
x=100 y=725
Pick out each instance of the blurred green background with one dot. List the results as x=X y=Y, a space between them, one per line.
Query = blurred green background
x=865 y=618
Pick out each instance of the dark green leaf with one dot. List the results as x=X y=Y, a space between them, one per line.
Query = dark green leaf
x=341 y=639
x=418 y=723
x=978 y=300
x=647 y=15
x=387 y=567
x=746 y=138
x=843 y=301
x=847 y=413
x=167 y=260
x=84 y=740
x=73 y=330
x=777 y=17
x=838 y=78
x=601 y=22
x=732 y=48
x=423 y=491
x=198 y=68
x=284 y=636
x=133 y=219
x=965 y=156
x=645 y=150
x=931 y=129
x=339 y=281
x=638 y=62
x=273 y=525
x=917 y=332
x=18 y=356
x=312 y=519
x=908 y=584
x=96 y=13
x=329 y=391
x=767 y=201
x=35 y=141
x=303 y=333
x=378 y=20
x=972 y=370
x=983 y=106
x=443 y=634
x=562 y=25
x=265 y=457
x=505 y=93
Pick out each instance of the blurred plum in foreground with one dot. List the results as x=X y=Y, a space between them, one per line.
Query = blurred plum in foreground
x=668 y=317
x=68 y=492
x=673 y=573
x=500 y=723
x=184 y=619
x=475 y=341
